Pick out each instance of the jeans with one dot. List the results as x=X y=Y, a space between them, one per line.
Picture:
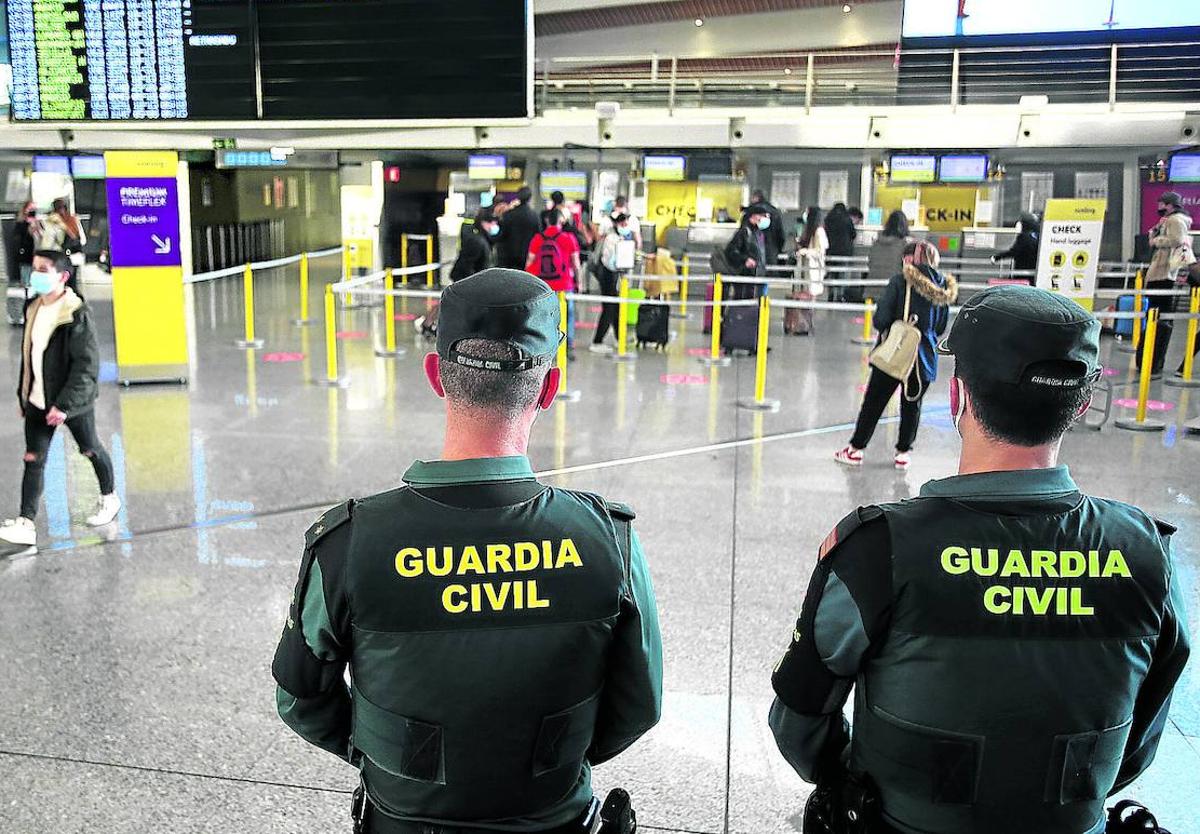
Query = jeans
x=608 y=314
x=37 y=441
x=880 y=389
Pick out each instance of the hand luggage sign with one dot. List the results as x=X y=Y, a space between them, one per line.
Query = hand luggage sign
x=1070 y=249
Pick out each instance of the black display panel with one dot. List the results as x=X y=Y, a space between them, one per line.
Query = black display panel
x=269 y=59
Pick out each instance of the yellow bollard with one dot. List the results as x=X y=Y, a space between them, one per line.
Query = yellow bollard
x=331 y=358
x=348 y=271
x=249 y=343
x=1140 y=423
x=683 y=287
x=760 y=401
x=389 y=318
x=403 y=269
x=1138 y=284
x=304 y=319
x=429 y=261
x=868 y=336
x=623 y=354
x=714 y=357
x=1189 y=348
x=564 y=393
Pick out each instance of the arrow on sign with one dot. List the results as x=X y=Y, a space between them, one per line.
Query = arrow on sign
x=161 y=247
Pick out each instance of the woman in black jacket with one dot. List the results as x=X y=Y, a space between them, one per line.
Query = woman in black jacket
x=1024 y=251
x=748 y=251
x=22 y=240
x=475 y=249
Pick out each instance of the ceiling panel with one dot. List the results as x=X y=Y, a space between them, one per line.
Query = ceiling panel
x=642 y=14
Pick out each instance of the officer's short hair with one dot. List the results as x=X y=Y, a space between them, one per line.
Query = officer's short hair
x=506 y=393
x=1025 y=415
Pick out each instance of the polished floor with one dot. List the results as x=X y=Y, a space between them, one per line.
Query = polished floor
x=136 y=692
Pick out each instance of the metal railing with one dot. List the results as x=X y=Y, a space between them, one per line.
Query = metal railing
x=1095 y=73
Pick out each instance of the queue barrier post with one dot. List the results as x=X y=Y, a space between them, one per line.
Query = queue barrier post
x=683 y=288
x=403 y=267
x=1139 y=421
x=249 y=342
x=867 y=337
x=714 y=358
x=389 y=348
x=565 y=394
x=304 y=320
x=429 y=261
x=1189 y=355
x=348 y=254
x=1135 y=343
x=623 y=354
x=331 y=377
x=760 y=401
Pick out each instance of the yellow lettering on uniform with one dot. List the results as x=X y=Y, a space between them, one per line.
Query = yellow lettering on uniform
x=547 y=554
x=567 y=555
x=408 y=563
x=992 y=597
x=1060 y=602
x=1040 y=599
x=448 y=602
x=1071 y=564
x=1115 y=566
x=1093 y=563
x=445 y=566
x=476 y=602
x=986 y=563
x=527 y=556
x=1015 y=565
x=518 y=595
x=470 y=561
x=955 y=561
x=497 y=599
x=1077 y=606
x=1043 y=563
x=499 y=558
x=1018 y=600
x=532 y=598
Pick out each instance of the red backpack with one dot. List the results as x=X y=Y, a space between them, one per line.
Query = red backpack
x=552 y=265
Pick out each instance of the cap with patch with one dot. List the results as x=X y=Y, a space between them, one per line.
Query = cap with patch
x=1010 y=333
x=499 y=305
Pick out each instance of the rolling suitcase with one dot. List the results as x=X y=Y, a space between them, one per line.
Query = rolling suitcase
x=654 y=325
x=740 y=329
x=15 y=300
x=708 y=296
x=1124 y=327
x=798 y=322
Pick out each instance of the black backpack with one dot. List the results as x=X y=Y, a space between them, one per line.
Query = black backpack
x=1129 y=817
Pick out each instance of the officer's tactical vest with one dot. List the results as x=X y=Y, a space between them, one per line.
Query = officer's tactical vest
x=479 y=644
x=1002 y=697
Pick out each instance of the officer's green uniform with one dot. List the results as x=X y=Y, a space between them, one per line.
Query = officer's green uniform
x=1013 y=642
x=501 y=634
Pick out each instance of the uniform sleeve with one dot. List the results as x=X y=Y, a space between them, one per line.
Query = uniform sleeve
x=844 y=616
x=1154 y=698
x=631 y=702
x=310 y=662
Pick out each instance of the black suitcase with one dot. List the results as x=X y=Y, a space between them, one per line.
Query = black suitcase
x=15 y=299
x=739 y=331
x=654 y=325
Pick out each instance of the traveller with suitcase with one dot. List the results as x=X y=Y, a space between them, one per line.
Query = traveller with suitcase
x=654 y=325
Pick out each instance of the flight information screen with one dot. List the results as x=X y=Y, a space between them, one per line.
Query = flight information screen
x=269 y=59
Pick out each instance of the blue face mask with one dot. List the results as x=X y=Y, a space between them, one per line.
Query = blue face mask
x=493 y=230
x=765 y=223
x=44 y=283
x=625 y=232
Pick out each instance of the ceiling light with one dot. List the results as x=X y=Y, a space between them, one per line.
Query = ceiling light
x=787 y=70
x=847 y=8
x=699 y=22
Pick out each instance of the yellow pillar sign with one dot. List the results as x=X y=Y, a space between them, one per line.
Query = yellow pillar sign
x=1070 y=248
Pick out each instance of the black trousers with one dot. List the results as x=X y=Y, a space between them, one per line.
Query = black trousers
x=1162 y=339
x=608 y=313
x=880 y=389
x=37 y=441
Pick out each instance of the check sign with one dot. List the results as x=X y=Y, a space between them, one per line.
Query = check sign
x=143 y=215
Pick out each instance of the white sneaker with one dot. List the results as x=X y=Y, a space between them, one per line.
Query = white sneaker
x=18 y=537
x=600 y=348
x=903 y=459
x=106 y=510
x=849 y=456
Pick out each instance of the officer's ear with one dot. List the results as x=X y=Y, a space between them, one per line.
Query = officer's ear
x=433 y=372
x=549 y=389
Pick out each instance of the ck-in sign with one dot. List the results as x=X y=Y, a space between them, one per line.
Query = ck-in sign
x=143 y=222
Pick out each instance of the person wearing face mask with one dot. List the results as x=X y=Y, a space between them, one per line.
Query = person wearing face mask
x=23 y=237
x=1172 y=244
x=475 y=253
x=1024 y=251
x=748 y=250
x=607 y=270
x=57 y=385
x=1012 y=641
x=509 y=641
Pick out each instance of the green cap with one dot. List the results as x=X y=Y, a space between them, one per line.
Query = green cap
x=499 y=305
x=1025 y=336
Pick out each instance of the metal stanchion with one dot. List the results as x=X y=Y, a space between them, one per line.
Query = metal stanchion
x=403 y=267
x=1139 y=422
x=331 y=377
x=389 y=319
x=565 y=394
x=683 y=290
x=867 y=337
x=1189 y=348
x=248 y=343
x=429 y=260
x=760 y=401
x=304 y=319
x=348 y=273
x=623 y=354
x=714 y=357
x=1135 y=343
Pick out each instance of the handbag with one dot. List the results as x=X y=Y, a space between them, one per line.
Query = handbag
x=896 y=354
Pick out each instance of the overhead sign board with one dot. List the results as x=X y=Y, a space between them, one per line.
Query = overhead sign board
x=913 y=167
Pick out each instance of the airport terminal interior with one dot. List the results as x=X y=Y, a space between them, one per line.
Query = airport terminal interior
x=260 y=203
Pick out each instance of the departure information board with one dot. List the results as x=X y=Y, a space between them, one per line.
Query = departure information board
x=270 y=59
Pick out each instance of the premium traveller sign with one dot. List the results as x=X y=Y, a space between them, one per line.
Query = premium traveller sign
x=143 y=221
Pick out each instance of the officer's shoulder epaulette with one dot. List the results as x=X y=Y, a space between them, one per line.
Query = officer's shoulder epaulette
x=621 y=511
x=332 y=519
x=846 y=527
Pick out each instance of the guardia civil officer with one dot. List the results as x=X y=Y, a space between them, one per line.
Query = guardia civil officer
x=1013 y=642
x=501 y=633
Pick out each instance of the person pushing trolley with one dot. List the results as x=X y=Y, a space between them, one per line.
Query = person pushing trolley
x=1012 y=641
x=501 y=634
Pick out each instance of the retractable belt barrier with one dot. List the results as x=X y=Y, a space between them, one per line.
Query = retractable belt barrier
x=201 y=277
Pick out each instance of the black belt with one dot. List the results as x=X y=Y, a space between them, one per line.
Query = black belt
x=375 y=821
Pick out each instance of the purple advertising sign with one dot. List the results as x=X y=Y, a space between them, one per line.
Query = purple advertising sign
x=1189 y=193
x=143 y=217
